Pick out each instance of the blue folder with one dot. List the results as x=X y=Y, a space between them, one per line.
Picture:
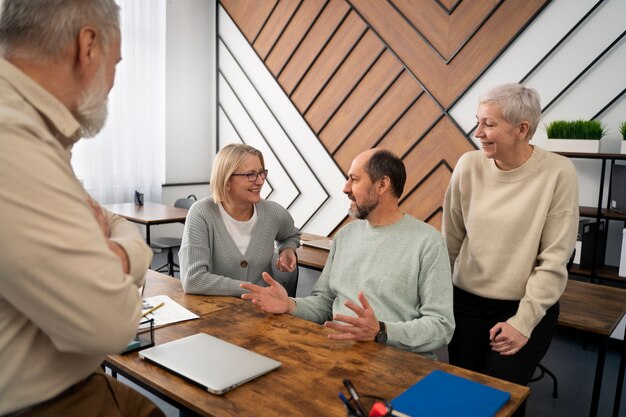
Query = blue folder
x=442 y=394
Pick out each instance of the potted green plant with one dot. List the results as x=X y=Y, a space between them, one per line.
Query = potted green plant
x=622 y=131
x=574 y=135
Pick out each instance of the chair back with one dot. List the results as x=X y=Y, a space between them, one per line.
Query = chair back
x=186 y=203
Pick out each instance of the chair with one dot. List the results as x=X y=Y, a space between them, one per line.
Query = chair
x=170 y=243
x=289 y=280
x=543 y=371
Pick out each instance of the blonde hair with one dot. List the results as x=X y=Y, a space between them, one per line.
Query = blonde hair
x=225 y=163
x=517 y=104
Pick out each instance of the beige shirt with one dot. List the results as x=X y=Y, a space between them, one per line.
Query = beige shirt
x=510 y=233
x=65 y=301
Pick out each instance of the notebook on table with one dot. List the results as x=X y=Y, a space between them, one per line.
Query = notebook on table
x=442 y=394
x=212 y=363
x=319 y=243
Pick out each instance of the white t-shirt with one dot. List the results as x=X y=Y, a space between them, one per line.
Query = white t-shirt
x=240 y=232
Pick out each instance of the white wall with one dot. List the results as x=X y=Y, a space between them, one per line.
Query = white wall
x=190 y=90
x=190 y=101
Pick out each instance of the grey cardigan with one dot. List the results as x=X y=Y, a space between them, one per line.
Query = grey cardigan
x=211 y=263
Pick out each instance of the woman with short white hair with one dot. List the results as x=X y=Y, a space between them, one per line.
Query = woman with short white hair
x=510 y=222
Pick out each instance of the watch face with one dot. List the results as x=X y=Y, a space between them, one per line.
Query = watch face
x=381 y=337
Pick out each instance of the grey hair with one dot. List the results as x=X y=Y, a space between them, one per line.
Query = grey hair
x=42 y=29
x=517 y=104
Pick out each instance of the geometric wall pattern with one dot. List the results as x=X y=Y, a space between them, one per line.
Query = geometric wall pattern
x=405 y=74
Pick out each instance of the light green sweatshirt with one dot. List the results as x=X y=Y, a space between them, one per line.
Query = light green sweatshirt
x=403 y=271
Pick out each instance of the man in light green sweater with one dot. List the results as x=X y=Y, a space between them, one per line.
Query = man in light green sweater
x=395 y=265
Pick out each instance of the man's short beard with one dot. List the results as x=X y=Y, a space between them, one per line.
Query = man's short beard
x=361 y=212
x=92 y=109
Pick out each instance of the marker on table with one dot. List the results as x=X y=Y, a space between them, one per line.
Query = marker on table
x=145 y=313
x=355 y=396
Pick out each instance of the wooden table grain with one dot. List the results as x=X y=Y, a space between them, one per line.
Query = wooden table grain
x=311 y=374
x=160 y=284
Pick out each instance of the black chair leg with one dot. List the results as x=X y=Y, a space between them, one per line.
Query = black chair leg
x=170 y=262
x=555 y=382
x=170 y=266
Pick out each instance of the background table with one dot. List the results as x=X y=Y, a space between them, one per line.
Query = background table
x=597 y=310
x=149 y=214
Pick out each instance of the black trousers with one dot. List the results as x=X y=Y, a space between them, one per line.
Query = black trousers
x=470 y=347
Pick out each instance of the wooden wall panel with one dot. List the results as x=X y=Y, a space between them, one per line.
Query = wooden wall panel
x=493 y=37
x=250 y=15
x=373 y=86
x=367 y=73
x=424 y=202
x=275 y=25
x=422 y=115
x=297 y=28
x=430 y=18
x=380 y=120
x=319 y=35
x=352 y=70
x=328 y=61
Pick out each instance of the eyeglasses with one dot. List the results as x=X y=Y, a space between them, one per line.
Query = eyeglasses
x=252 y=176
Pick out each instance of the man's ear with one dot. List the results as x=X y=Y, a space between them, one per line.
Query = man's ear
x=88 y=40
x=384 y=184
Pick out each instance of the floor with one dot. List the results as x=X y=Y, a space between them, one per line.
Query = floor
x=573 y=364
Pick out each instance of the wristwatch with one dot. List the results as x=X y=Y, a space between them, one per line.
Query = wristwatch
x=381 y=336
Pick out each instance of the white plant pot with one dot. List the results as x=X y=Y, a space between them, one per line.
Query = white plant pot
x=624 y=146
x=574 y=145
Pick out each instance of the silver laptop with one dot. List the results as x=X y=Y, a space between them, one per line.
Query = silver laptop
x=213 y=363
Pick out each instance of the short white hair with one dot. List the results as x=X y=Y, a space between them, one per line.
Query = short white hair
x=517 y=104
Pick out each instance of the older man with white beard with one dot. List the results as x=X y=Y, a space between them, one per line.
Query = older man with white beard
x=69 y=270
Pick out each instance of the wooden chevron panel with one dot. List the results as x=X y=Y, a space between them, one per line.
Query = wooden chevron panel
x=444 y=31
x=367 y=73
x=250 y=15
x=352 y=111
x=360 y=60
x=319 y=35
x=417 y=121
x=445 y=83
x=291 y=37
x=443 y=143
x=425 y=201
x=401 y=96
x=328 y=61
x=274 y=26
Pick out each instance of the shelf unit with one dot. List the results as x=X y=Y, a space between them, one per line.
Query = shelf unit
x=599 y=212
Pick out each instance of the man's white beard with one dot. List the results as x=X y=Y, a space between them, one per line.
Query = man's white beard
x=92 y=110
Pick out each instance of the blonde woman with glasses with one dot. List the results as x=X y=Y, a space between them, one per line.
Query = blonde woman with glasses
x=229 y=237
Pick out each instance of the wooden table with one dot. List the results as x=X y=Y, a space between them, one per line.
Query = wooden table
x=309 y=257
x=596 y=309
x=149 y=214
x=160 y=284
x=592 y=308
x=312 y=370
